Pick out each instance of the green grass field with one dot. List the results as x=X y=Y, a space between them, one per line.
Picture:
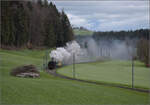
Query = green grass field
x=119 y=72
x=53 y=90
x=82 y=32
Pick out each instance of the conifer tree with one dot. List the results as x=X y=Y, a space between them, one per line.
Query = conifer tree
x=67 y=30
x=35 y=23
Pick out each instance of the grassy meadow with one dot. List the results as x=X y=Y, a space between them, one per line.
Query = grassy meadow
x=119 y=72
x=54 y=90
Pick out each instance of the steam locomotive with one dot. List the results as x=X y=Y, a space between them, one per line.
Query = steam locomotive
x=53 y=64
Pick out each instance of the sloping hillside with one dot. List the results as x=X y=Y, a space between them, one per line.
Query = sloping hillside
x=82 y=32
x=53 y=90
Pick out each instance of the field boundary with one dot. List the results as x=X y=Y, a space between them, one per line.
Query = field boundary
x=55 y=73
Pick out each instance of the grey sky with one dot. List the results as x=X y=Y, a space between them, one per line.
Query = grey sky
x=107 y=15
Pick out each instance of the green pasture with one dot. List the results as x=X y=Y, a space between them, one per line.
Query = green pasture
x=115 y=71
x=82 y=32
x=48 y=89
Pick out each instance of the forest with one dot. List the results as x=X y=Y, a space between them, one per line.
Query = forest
x=122 y=35
x=33 y=24
x=137 y=38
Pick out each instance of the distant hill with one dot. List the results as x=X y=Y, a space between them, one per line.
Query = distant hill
x=82 y=32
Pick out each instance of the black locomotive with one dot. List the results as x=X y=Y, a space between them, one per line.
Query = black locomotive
x=52 y=64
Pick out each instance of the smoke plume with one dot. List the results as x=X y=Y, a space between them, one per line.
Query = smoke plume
x=89 y=50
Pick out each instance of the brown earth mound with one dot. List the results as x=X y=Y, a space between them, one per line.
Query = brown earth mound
x=25 y=71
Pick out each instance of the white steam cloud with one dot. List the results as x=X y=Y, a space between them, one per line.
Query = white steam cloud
x=89 y=50
x=64 y=54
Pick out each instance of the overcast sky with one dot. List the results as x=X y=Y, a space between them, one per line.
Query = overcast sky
x=106 y=15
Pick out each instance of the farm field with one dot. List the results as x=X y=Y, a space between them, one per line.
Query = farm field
x=82 y=32
x=119 y=72
x=54 y=90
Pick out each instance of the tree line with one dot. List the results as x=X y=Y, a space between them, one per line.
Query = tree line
x=34 y=23
x=139 y=37
x=122 y=35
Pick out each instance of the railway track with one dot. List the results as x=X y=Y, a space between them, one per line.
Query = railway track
x=54 y=72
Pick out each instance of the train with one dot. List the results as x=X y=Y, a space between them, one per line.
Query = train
x=52 y=65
